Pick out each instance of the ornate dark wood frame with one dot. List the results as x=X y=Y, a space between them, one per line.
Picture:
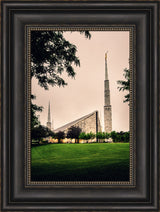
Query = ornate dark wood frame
x=15 y=195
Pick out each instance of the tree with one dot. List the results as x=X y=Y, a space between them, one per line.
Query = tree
x=107 y=135
x=74 y=132
x=51 y=55
x=87 y=136
x=34 y=119
x=82 y=136
x=114 y=136
x=125 y=84
x=60 y=135
x=120 y=136
x=92 y=135
x=40 y=132
x=126 y=137
x=100 y=135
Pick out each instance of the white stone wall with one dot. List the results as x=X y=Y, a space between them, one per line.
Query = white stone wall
x=107 y=119
x=88 y=124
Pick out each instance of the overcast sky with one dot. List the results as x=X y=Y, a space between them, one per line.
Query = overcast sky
x=85 y=93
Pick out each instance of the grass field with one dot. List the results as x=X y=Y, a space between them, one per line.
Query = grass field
x=80 y=162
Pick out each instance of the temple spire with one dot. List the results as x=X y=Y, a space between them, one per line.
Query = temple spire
x=49 y=117
x=106 y=84
x=49 y=113
x=106 y=68
x=107 y=106
x=52 y=124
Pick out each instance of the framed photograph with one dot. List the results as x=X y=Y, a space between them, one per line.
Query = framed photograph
x=79 y=106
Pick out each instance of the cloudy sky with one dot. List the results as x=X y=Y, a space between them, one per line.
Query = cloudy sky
x=85 y=93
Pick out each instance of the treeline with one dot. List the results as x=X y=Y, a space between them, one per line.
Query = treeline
x=41 y=132
x=119 y=136
x=102 y=136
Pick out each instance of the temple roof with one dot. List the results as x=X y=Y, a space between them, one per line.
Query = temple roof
x=66 y=126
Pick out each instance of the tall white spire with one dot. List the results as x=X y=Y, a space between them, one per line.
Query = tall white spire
x=106 y=68
x=49 y=117
x=49 y=113
x=107 y=106
x=106 y=85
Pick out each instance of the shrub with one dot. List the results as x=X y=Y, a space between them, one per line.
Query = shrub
x=74 y=132
x=87 y=136
x=60 y=135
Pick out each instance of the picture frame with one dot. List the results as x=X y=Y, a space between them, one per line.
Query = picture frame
x=20 y=194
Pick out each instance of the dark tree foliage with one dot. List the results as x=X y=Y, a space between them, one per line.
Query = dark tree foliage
x=107 y=135
x=114 y=136
x=126 y=137
x=40 y=132
x=51 y=55
x=60 y=135
x=34 y=108
x=120 y=136
x=125 y=84
x=74 y=132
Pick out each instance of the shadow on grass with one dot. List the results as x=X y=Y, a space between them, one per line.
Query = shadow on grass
x=108 y=174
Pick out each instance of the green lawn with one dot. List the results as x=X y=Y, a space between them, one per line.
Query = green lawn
x=80 y=162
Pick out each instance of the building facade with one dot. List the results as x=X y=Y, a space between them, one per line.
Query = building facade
x=88 y=123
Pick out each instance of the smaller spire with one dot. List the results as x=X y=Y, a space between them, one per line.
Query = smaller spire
x=106 y=55
x=52 y=124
